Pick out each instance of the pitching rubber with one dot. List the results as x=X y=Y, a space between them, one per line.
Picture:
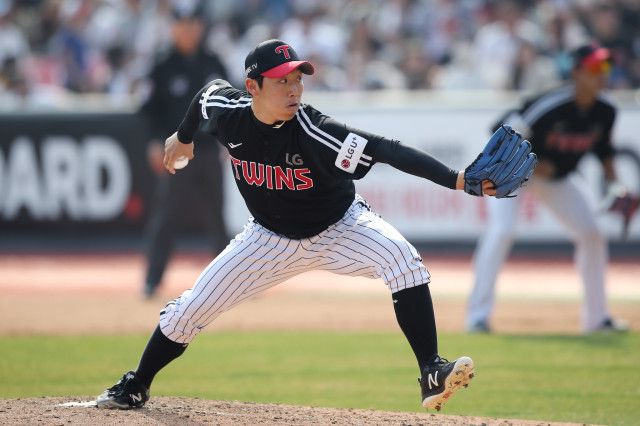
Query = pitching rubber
x=460 y=376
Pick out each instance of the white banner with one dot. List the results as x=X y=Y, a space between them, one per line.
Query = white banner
x=424 y=211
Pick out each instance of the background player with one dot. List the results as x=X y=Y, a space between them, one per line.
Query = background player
x=295 y=169
x=195 y=196
x=563 y=125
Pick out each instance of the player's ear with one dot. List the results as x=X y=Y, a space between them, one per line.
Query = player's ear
x=252 y=86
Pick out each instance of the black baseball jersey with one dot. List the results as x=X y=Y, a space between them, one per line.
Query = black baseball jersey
x=561 y=132
x=175 y=79
x=296 y=177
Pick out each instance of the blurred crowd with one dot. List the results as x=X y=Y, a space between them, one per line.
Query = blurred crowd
x=49 y=48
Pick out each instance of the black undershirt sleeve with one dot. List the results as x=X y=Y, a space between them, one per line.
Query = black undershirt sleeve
x=415 y=162
x=191 y=120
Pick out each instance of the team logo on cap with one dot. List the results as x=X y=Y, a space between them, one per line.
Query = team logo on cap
x=284 y=48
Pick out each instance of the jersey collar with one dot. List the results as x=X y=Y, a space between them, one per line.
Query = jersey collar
x=269 y=129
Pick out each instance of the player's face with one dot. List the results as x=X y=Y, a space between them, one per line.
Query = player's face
x=592 y=79
x=187 y=34
x=279 y=98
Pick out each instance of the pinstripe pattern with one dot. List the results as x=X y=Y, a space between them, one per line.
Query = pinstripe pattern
x=360 y=244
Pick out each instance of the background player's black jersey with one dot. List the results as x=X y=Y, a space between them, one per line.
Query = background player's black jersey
x=295 y=177
x=561 y=132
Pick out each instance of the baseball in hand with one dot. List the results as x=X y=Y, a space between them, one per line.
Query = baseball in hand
x=181 y=162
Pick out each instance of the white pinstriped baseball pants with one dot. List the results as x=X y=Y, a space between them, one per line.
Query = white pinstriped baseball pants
x=360 y=244
x=565 y=200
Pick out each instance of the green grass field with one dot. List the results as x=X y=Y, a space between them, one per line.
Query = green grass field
x=594 y=379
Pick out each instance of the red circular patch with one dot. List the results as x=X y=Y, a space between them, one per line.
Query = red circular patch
x=134 y=208
x=345 y=164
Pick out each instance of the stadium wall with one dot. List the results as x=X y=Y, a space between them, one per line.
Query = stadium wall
x=86 y=172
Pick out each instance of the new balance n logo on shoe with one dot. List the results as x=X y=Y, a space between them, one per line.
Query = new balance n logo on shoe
x=432 y=380
x=442 y=378
x=127 y=393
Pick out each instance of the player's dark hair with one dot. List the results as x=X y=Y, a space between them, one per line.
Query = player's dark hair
x=259 y=79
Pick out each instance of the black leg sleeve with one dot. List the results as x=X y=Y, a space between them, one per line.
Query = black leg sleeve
x=414 y=311
x=159 y=352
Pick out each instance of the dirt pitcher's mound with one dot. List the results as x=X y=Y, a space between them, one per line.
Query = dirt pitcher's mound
x=190 y=411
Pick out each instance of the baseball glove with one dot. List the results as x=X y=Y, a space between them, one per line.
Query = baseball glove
x=506 y=161
x=620 y=201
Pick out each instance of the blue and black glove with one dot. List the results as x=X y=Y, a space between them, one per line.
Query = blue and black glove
x=506 y=161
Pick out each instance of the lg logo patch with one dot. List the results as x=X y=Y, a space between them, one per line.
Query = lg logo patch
x=351 y=153
x=293 y=160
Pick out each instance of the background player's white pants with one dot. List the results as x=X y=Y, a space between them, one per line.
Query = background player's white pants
x=571 y=208
x=360 y=244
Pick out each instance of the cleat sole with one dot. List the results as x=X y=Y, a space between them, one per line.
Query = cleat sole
x=107 y=402
x=460 y=376
x=110 y=404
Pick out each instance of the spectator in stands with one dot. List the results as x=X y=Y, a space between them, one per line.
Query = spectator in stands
x=13 y=43
x=608 y=26
x=531 y=70
x=468 y=45
x=496 y=44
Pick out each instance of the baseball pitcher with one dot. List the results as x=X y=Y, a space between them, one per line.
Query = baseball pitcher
x=295 y=167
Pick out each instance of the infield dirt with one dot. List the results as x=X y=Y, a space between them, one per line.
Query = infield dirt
x=191 y=412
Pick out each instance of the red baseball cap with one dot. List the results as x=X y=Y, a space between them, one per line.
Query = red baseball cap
x=274 y=59
x=590 y=56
